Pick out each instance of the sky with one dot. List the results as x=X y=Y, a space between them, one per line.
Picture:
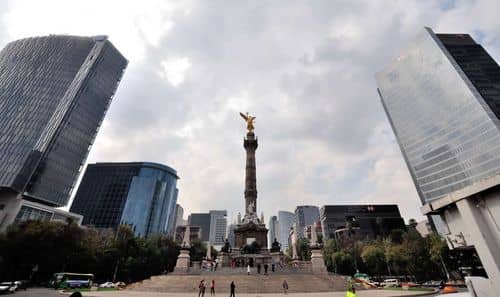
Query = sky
x=305 y=69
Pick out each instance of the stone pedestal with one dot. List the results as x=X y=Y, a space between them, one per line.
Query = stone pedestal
x=277 y=257
x=245 y=233
x=182 y=265
x=317 y=262
x=224 y=259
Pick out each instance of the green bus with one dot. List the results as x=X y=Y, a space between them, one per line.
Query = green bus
x=64 y=280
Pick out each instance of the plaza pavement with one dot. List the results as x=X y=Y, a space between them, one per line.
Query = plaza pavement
x=360 y=293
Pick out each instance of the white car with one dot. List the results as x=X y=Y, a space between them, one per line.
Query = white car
x=107 y=285
x=392 y=282
x=9 y=287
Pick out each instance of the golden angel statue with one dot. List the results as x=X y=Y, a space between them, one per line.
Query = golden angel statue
x=249 y=119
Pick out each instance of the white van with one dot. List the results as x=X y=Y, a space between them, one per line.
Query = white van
x=391 y=282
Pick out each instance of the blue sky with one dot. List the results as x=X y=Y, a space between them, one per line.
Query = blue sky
x=303 y=68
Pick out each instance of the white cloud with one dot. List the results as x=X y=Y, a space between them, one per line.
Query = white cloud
x=305 y=69
x=174 y=70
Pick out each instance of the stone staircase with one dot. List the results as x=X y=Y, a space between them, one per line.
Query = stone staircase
x=254 y=283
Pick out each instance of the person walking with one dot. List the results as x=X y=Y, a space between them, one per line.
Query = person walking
x=258 y=268
x=201 y=287
x=212 y=288
x=233 y=286
x=273 y=267
x=248 y=269
x=351 y=292
x=285 y=286
x=265 y=268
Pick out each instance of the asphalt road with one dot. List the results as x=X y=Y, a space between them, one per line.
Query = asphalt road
x=37 y=292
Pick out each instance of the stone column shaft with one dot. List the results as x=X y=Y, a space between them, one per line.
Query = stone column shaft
x=250 y=144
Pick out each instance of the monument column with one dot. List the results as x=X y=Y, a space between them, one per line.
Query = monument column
x=250 y=144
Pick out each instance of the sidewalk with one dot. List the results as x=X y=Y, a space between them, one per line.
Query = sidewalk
x=360 y=293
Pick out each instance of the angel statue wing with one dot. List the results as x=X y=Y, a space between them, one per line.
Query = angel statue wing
x=244 y=116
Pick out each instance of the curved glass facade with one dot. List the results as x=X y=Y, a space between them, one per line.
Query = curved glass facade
x=142 y=195
x=54 y=92
x=446 y=128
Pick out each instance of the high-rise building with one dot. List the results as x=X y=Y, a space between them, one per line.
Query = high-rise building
x=54 y=93
x=172 y=212
x=218 y=226
x=194 y=233
x=201 y=220
x=139 y=194
x=305 y=215
x=361 y=221
x=273 y=230
x=442 y=99
x=179 y=216
x=230 y=234
x=286 y=220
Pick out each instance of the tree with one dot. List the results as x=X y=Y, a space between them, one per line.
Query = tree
x=343 y=263
x=303 y=249
x=374 y=257
x=198 y=250
x=397 y=258
x=329 y=248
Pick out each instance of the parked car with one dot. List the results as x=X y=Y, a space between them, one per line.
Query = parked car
x=21 y=284
x=433 y=284
x=391 y=282
x=8 y=287
x=120 y=285
x=107 y=285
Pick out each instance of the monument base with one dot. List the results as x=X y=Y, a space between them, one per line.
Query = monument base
x=224 y=259
x=247 y=233
x=277 y=257
x=317 y=262
x=182 y=265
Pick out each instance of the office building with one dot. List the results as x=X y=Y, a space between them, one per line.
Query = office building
x=442 y=99
x=179 y=216
x=139 y=194
x=194 y=233
x=54 y=93
x=273 y=230
x=305 y=215
x=361 y=221
x=201 y=220
x=218 y=226
x=315 y=227
x=230 y=234
x=286 y=220
x=424 y=228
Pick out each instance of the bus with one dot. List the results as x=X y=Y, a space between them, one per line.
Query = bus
x=63 y=280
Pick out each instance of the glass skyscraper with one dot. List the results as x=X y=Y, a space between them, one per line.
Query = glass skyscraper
x=286 y=220
x=305 y=215
x=273 y=230
x=442 y=99
x=54 y=93
x=142 y=195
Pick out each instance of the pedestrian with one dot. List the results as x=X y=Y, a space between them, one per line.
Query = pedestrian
x=258 y=268
x=232 y=290
x=212 y=288
x=265 y=268
x=273 y=267
x=201 y=288
x=285 y=286
x=248 y=269
x=216 y=264
x=211 y=266
x=351 y=292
